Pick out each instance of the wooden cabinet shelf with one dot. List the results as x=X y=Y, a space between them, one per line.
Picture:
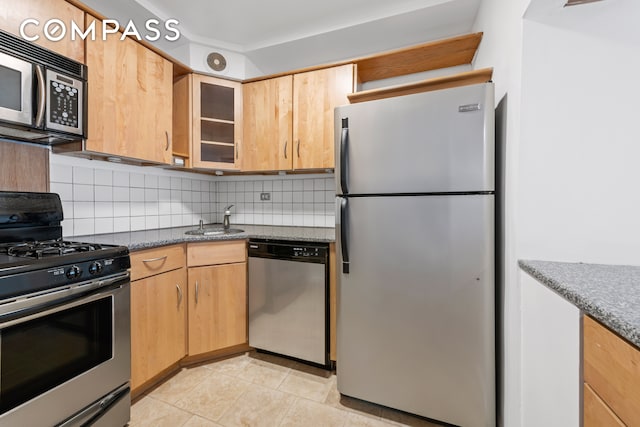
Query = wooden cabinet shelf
x=454 y=80
x=208 y=121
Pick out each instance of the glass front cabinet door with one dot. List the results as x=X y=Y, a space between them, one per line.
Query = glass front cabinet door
x=217 y=126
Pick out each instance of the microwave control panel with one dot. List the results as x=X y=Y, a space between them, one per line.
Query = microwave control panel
x=65 y=98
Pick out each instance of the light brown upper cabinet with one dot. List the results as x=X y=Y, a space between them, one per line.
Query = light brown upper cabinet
x=13 y=13
x=268 y=125
x=288 y=121
x=208 y=121
x=315 y=95
x=130 y=99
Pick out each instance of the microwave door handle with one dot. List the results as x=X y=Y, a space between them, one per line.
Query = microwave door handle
x=42 y=95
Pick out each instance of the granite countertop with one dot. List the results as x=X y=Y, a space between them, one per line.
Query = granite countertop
x=608 y=293
x=145 y=239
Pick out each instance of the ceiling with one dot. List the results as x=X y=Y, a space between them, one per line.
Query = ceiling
x=278 y=35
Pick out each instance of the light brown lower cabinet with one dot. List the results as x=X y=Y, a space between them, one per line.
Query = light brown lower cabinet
x=596 y=412
x=217 y=307
x=158 y=324
x=611 y=376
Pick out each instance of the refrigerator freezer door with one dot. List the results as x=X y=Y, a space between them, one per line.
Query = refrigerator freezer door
x=440 y=141
x=416 y=310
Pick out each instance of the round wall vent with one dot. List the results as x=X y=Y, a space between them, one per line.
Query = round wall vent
x=216 y=61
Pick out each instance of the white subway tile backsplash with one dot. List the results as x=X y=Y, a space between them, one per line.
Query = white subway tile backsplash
x=121 y=209
x=103 y=177
x=67 y=210
x=329 y=196
x=164 y=221
x=164 y=207
x=152 y=222
x=151 y=208
x=82 y=175
x=121 y=224
x=176 y=183
x=83 y=210
x=121 y=194
x=83 y=226
x=116 y=198
x=121 y=179
x=150 y=181
x=176 y=220
x=65 y=191
x=103 y=225
x=308 y=196
x=104 y=210
x=138 y=223
x=136 y=180
x=186 y=184
x=61 y=173
x=83 y=193
x=103 y=193
x=164 y=182
x=151 y=195
x=308 y=185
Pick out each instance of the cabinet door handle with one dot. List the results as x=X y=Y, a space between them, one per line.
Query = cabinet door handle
x=179 y=294
x=285 y=149
x=162 y=258
x=168 y=138
x=298 y=148
x=196 y=291
x=237 y=149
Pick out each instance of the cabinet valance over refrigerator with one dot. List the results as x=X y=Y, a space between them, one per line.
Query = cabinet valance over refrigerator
x=415 y=249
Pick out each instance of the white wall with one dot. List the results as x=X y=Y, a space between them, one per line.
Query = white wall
x=551 y=357
x=501 y=48
x=570 y=126
x=579 y=174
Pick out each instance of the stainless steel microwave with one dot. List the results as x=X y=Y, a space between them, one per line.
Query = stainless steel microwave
x=43 y=95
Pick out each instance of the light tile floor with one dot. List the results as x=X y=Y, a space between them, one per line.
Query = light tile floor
x=259 y=390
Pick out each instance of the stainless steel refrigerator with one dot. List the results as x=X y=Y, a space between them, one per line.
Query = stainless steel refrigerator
x=415 y=249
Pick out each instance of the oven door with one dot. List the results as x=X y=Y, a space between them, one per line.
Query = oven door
x=16 y=81
x=66 y=356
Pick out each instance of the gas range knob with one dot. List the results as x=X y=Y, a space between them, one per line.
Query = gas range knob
x=73 y=272
x=95 y=268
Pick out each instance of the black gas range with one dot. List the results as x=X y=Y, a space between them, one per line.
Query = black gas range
x=64 y=320
x=33 y=255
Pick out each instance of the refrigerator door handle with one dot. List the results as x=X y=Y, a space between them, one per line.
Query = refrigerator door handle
x=344 y=234
x=344 y=149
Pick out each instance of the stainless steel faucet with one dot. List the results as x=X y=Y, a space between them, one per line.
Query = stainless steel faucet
x=227 y=213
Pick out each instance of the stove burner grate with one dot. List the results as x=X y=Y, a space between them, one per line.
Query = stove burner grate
x=47 y=248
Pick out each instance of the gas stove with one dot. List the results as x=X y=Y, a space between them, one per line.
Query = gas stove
x=33 y=255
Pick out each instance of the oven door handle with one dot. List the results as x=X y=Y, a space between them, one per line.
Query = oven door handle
x=25 y=310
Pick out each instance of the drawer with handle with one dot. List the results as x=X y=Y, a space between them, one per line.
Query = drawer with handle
x=149 y=262
x=612 y=370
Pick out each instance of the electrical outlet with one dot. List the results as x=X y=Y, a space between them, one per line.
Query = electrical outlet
x=265 y=196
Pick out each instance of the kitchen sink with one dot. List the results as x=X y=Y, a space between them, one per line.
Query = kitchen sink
x=213 y=231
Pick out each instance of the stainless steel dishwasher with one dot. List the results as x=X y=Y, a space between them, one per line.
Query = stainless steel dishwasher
x=288 y=299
